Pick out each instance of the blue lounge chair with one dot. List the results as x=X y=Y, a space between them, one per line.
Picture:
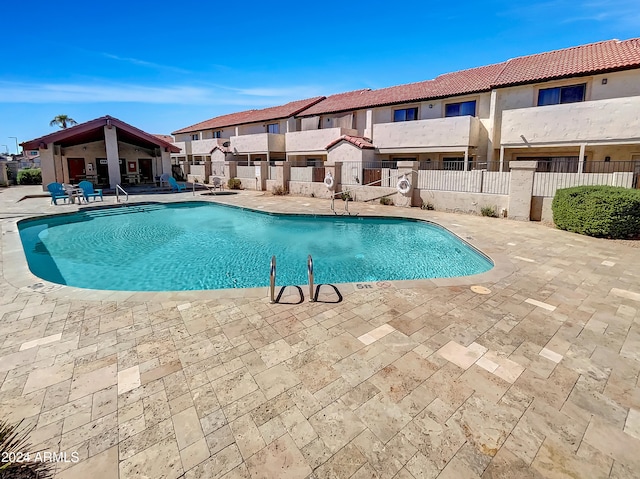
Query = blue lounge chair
x=175 y=186
x=57 y=193
x=89 y=192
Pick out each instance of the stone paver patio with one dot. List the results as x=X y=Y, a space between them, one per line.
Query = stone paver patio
x=532 y=375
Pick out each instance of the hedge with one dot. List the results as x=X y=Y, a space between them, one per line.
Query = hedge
x=30 y=176
x=601 y=211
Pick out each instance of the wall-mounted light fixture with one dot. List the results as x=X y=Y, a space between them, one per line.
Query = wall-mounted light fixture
x=607 y=159
x=84 y=148
x=430 y=105
x=604 y=81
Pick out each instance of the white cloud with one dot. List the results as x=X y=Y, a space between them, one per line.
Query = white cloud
x=14 y=92
x=621 y=13
x=144 y=63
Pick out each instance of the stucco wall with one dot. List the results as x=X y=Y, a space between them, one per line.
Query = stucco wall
x=318 y=190
x=314 y=140
x=541 y=209
x=248 y=183
x=617 y=118
x=260 y=127
x=366 y=193
x=618 y=84
x=258 y=142
x=446 y=132
x=345 y=151
x=203 y=147
x=470 y=203
x=3 y=174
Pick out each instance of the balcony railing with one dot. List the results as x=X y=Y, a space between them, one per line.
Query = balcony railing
x=599 y=120
x=315 y=140
x=460 y=131
x=258 y=143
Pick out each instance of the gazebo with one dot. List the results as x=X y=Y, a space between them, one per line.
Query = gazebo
x=105 y=151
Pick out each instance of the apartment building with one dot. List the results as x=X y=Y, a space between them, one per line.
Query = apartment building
x=573 y=107
x=250 y=136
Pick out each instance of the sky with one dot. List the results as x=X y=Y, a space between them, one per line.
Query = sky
x=162 y=66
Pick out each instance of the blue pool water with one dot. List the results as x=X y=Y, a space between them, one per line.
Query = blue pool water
x=198 y=245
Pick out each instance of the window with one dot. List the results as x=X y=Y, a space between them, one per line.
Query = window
x=195 y=136
x=273 y=128
x=407 y=114
x=217 y=134
x=460 y=109
x=563 y=94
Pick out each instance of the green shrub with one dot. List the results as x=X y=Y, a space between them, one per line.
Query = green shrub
x=345 y=196
x=278 y=190
x=30 y=176
x=386 y=201
x=234 y=184
x=488 y=211
x=19 y=461
x=601 y=211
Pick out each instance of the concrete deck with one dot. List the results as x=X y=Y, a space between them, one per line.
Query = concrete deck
x=528 y=371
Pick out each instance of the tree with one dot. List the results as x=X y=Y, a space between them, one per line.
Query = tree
x=62 y=121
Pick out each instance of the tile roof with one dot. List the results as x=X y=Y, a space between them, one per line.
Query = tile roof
x=450 y=84
x=253 y=116
x=359 y=141
x=82 y=131
x=167 y=138
x=587 y=59
x=581 y=60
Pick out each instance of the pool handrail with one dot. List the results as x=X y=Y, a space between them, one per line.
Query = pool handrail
x=118 y=187
x=310 y=272
x=272 y=280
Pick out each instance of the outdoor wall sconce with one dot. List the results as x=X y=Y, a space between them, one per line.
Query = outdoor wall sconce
x=430 y=105
x=604 y=81
x=607 y=159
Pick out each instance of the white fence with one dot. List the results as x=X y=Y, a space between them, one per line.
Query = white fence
x=302 y=173
x=246 y=172
x=217 y=168
x=476 y=181
x=496 y=182
x=546 y=184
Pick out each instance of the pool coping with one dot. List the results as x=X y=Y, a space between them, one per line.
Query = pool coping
x=16 y=270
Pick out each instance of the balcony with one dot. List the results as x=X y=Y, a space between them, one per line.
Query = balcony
x=315 y=141
x=258 y=143
x=185 y=147
x=203 y=147
x=589 y=121
x=454 y=132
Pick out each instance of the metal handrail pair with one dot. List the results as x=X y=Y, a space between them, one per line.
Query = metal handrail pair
x=272 y=279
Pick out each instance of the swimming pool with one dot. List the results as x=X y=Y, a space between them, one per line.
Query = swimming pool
x=200 y=245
